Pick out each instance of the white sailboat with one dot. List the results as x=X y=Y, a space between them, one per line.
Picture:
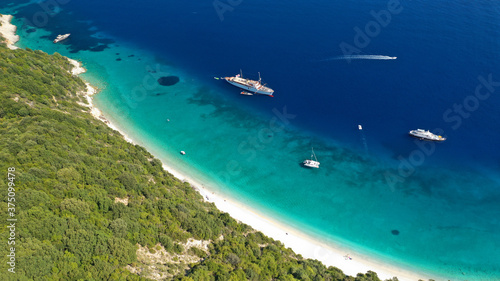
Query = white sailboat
x=310 y=162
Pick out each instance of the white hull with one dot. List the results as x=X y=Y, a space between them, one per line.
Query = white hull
x=61 y=38
x=426 y=135
x=249 y=85
x=311 y=163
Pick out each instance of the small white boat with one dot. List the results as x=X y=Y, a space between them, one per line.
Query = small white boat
x=246 y=93
x=310 y=162
x=360 y=128
x=61 y=37
x=182 y=152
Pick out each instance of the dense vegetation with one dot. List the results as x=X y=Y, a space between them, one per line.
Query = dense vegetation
x=70 y=167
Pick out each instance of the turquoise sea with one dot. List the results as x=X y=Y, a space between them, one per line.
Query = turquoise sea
x=429 y=207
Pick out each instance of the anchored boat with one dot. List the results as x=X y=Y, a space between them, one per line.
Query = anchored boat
x=60 y=37
x=310 y=162
x=251 y=86
x=426 y=135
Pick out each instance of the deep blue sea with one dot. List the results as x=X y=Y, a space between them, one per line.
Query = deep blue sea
x=430 y=207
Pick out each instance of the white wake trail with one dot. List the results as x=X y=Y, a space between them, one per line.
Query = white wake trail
x=362 y=57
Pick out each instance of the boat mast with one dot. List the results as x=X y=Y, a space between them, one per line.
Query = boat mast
x=241 y=73
x=259 y=78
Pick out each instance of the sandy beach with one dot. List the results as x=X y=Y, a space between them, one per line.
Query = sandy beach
x=8 y=31
x=329 y=252
x=88 y=94
x=77 y=67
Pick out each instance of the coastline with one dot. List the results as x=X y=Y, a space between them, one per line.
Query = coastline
x=330 y=254
x=8 y=31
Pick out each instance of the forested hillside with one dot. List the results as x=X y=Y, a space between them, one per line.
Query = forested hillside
x=86 y=200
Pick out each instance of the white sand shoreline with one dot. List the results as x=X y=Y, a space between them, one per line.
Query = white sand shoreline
x=331 y=254
x=8 y=31
x=328 y=253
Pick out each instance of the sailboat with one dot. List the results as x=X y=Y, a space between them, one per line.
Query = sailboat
x=61 y=37
x=310 y=162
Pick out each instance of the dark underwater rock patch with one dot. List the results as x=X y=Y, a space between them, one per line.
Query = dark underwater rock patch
x=395 y=232
x=168 y=80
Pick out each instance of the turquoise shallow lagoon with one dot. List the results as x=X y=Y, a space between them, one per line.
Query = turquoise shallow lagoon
x=437 y=213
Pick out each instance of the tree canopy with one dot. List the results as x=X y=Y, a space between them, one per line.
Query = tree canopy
x=69 y=171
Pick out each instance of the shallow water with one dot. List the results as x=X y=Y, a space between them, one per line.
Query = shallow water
x=434 y=206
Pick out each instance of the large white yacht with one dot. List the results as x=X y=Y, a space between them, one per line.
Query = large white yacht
x=251 y=86
x=426 y=135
